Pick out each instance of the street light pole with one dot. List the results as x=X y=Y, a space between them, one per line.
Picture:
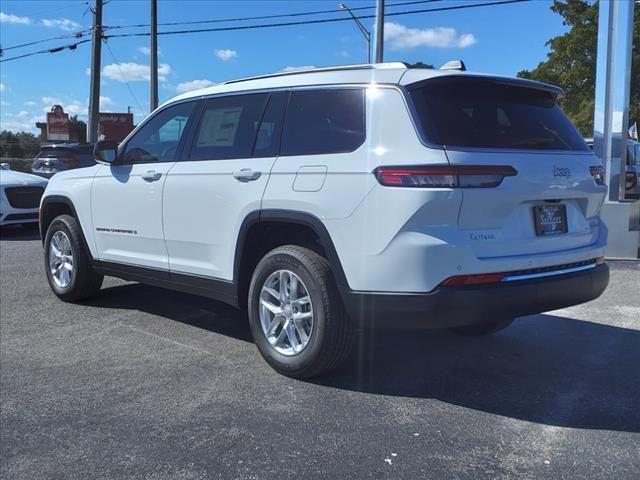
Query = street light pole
x=365 y=32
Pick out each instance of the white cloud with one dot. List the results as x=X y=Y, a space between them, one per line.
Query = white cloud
x=75 y=107
x=4 y=104
x=193 y=85
x=23 y=114
x=18 y=126
x=3 y=87
x=30 y=103
x=343 y=53
x=134 y=72
x=400 y=37
x=147 y=51
x=301 y=67
x=106 y=102
x=50 y=101
x=8 y=18
x=61 y=23
x=225 y=54
x=72 y=107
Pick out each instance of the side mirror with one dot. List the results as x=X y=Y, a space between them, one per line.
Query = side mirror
x=105 y=151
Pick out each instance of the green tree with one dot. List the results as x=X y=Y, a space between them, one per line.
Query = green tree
x=571 y=63
x=420 y=65
x=9 y=145
x=29 y=144
x=18 y=145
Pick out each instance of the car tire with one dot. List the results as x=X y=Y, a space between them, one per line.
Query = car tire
x=487 y=328
x=80 y=282
x=328 y=331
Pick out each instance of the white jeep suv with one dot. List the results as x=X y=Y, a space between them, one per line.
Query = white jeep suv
x=333 y=199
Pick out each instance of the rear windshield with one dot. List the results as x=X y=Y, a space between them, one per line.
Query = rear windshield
x=83 y=152
x=470 y=112
x=54 y=152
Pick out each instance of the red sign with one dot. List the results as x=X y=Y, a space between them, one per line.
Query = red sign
x=123 y=118
x=115 y=126
x=57 y=124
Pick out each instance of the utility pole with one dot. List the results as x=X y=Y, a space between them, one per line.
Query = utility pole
x=94 y=95
x=380 y=31
x=154 y=55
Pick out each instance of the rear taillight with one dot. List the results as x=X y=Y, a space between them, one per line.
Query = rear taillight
x=444 y=176
x=597 y=172
x=631 y=180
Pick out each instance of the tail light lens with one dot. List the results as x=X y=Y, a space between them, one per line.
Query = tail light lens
x=597 y=172
x=444 y=176
x=631 y=180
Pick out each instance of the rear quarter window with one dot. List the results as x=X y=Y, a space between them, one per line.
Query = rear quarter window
x=471 y=112
x=324 y=121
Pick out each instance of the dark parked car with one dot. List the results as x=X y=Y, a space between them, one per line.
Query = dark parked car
x=632 y=177
x=58 y=157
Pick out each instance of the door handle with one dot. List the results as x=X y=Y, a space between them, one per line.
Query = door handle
x=151 y=175
x=246 y=175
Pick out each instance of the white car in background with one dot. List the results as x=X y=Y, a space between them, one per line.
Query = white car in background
x=20 y=197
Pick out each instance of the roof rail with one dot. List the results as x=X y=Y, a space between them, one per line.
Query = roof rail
x=368 y=66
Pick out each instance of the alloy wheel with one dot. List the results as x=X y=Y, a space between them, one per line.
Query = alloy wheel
x=286 y=312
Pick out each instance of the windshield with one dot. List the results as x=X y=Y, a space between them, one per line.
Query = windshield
x=473 y=112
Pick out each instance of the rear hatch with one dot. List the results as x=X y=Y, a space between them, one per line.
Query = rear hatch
x=51 y=160
x=552 y=202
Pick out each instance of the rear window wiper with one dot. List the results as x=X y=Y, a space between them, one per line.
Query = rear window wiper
x=556 y=135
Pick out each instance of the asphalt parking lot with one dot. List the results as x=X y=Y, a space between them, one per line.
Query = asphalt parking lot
x=143 y=383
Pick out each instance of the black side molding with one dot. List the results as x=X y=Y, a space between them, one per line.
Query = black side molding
x=53 y=199
x=318 y=227
x=214 y=288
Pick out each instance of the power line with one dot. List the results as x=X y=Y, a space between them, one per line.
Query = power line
x=79 y=34
x=271 y=25
x=265 y=17
x=122 y=75
x=312 y=22
x=71 y=46
x=87 y=31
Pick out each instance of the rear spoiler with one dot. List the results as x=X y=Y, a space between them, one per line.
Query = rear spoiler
x=556 y=91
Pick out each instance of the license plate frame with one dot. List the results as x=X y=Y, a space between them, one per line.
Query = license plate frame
x=550 y=219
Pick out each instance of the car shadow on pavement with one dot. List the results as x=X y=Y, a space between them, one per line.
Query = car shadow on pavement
x=18 y=233
x=188 y=309
x=547 y=369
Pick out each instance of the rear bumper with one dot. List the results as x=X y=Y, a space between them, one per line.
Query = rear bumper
x=467 y=305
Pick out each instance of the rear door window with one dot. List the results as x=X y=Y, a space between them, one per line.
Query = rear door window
x=324 y=121
x=268 y=138
x=228 y=126
x=472 y=112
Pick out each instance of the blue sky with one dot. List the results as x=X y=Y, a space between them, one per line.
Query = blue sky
x=502 y=40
